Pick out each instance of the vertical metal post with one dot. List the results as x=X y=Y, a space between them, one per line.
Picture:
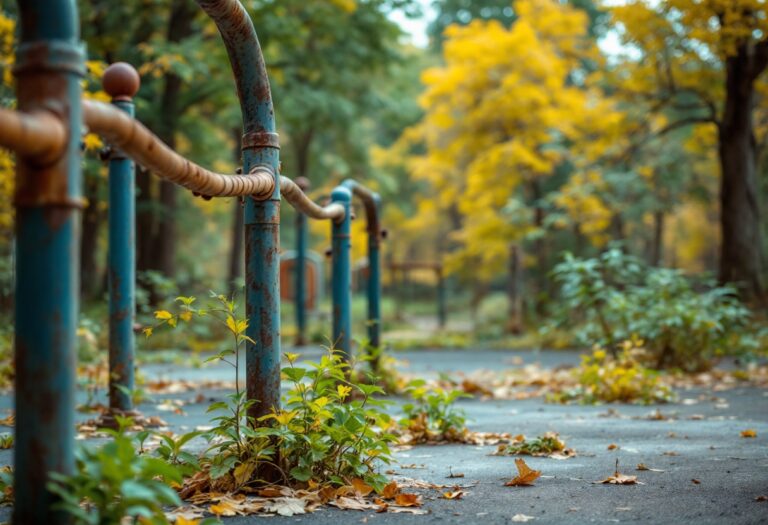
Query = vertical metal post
x=341 y=279
x=49 y=69
x=374 y=285
x=260 y=146
x=441 y=306
x=300 y=270
x=121 y=82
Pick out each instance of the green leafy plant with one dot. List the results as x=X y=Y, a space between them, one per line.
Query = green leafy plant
x=684 y=322
x=113 y=482
x=431 y=414
x=607 y=379
x=544 y=445
x=323 y=433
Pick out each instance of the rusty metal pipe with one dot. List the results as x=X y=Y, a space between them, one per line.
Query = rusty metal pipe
x=39 y=134
x=136 y=141
x=299 y=200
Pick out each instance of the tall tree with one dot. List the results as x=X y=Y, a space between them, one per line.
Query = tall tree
x=703 y=63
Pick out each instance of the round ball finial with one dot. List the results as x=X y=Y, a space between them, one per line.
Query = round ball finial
x=121 y=81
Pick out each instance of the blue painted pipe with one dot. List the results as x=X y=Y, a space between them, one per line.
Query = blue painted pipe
x=374 y=284
x=49 y=69
x=262 y=218
x=300 y=275
x=122 y=275
x=341 y=270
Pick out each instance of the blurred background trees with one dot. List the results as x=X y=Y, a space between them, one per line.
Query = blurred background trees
x=521 y=130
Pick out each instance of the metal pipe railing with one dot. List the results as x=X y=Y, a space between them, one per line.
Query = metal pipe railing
x=50 y=65
x=260 y=147
x=46 y=133
x=303 y=204
x=372 y=204
x=39 y=134
x=135 y=140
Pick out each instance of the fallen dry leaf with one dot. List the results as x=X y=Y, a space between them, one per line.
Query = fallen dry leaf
x=749 y=433
x=457 y=494
x=613 y=446
x=286 y=506
x=695 y=481
x=761 y=498
x=642 y=466
x=526 y=475
x=390 y=490
x=361 y=487
x=522 y=518
x=408 y=500
x=619 y=479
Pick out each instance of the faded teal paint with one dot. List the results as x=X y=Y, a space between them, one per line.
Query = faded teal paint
x=121 y=275
x=300 y=279
x=374 y=282
x=262 y=218
x=341 y=285
x=49 y=69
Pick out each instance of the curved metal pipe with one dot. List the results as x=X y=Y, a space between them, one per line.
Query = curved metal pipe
x=39 y=134
x=147 y=149
x=247 y=60
x=370 y=203
x=299 y=200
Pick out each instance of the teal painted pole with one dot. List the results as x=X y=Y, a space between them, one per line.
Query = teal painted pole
x=121 y=82
x=49 y=69
x=341 y=275
x=262 y=218
x=300 y=270
x=374 y=284
x=441 y=300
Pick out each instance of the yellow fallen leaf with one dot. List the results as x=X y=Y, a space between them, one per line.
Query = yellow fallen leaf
x=222 y=509
x=526 y=475
x=408 y=500
x=749 y=433
x=642 y=466
x=390 y=490
x=361 y=487
x=613 y=446
x=457 y=494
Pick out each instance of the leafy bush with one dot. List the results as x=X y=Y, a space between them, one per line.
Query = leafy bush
x=624 y=379
x=684 y=322
x=114 y=481
x=431 y=415
x=321 y=435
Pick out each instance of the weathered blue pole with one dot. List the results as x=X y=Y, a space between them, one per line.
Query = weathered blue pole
x=300 y=270
x=341 y=276
x=374 y=284
x=121 y=82
x=441 y=301
x=262 y=218
x=49 y=69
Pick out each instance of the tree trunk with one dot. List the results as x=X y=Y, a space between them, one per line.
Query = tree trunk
x=514 y=290
x=739 y=207
x=90 y=283
x=156 y=224
x=657 y=244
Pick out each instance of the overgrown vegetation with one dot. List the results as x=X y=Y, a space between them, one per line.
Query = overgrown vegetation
x=684 y=322
x=431 y=416
x=603 y=378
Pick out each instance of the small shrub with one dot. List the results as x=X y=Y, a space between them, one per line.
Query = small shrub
x=624 y=379
x=113 y=482
x=684 y=322
x=548 y=444
x=431 y=414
